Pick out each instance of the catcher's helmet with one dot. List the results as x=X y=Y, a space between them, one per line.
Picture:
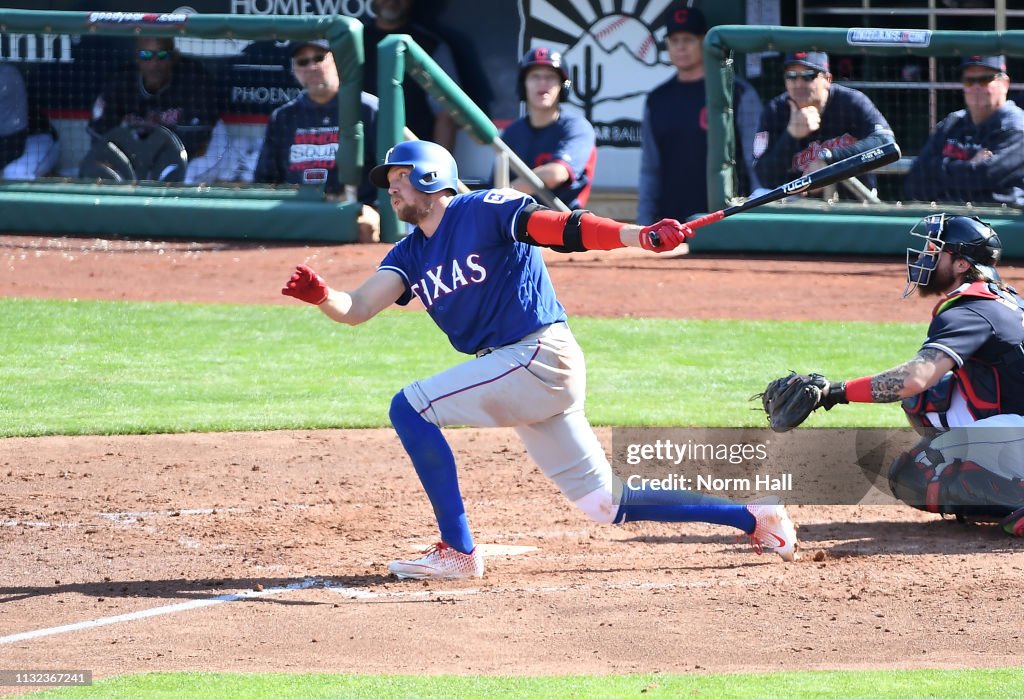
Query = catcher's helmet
x=966 y=237
x=433 y=167
x=542 y=56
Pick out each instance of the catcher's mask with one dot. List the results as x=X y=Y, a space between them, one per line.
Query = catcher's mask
x=433 y=167
x=966 y=237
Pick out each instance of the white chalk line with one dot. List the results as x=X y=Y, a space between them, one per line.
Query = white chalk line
x=132 y=517
x=40 y=525
x=361 y=594
x=157 y=611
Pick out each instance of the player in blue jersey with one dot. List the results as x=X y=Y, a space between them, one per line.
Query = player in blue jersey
x=559 y=145
x=475 y=263
x=976 y=154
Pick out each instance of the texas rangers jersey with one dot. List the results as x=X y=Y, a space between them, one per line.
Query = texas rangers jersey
x=849 y=117
x=483 y=288
x=301 y=145
x=944 y=171
x=570 y=140
x=982 y=331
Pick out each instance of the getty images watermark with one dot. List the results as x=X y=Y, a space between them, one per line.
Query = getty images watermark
x=703 y=478
x=806 y=466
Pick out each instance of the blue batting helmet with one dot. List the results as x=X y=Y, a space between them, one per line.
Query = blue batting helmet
x=433 y=167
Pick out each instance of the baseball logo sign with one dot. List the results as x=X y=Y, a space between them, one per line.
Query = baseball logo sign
x=612 y=52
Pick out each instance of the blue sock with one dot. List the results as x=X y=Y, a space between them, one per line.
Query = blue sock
x=435 y=465
x=682 y=506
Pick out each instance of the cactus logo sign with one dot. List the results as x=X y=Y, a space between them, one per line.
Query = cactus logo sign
x=612 y=49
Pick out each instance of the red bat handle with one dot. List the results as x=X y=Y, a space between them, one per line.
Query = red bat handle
x=695 y=223
x=706 y=219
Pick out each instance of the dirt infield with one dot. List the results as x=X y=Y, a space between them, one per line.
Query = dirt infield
x=266 y=551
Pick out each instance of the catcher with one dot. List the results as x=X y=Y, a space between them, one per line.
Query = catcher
x=968 y=373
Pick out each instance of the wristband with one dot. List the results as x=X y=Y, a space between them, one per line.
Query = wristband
x=859 y=390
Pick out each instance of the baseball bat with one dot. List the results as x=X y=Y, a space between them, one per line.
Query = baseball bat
x=845 y=168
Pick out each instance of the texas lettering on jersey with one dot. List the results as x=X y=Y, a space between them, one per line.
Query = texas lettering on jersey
x=448 y=278
x=480 y=286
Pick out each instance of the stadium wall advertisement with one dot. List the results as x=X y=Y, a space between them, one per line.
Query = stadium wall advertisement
x=613 y=49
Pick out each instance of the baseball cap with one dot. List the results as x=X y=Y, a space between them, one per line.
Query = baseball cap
x=812 y=59
x=680 y=18
x=294 y=46
x=997 y=63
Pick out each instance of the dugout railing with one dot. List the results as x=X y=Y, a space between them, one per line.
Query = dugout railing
x=400 y=58
x=814 y=225
x=206 y=210
x=71 y=204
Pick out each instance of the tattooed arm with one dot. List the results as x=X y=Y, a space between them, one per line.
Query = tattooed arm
x=911 y=377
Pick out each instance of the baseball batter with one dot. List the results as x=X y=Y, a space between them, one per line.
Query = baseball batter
x=473 y=261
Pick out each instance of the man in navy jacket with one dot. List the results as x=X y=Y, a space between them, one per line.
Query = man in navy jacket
x=976 y=154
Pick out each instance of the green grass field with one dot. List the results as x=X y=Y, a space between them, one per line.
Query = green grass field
x=123 y=368
x=120 y=368
x=938 y=684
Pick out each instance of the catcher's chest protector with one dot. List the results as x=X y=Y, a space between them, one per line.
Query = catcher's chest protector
x=991 y=379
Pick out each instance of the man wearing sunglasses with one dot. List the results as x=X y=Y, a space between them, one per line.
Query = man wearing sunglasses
x=976 y=154
x=814 y=123
x=162 y=87
x=301 y=141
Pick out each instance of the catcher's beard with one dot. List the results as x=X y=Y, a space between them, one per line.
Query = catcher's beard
x=942 y=279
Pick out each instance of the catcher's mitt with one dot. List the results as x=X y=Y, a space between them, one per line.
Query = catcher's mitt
x=788 y=400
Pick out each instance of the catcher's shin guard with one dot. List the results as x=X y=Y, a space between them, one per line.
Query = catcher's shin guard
x=923 y=479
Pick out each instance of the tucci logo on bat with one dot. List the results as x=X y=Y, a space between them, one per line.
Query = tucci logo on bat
x=796 y=185
x=872 y=155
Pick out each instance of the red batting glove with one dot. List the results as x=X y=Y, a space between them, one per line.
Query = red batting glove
x=667 y=234
x=306 y=285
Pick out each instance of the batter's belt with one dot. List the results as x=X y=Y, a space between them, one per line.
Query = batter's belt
x=540 y=376
x=532 y=336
